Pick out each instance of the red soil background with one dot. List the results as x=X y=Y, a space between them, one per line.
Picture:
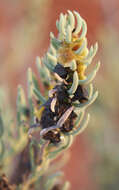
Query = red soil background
x=14 y=16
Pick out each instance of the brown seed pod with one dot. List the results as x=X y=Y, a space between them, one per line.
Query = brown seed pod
x=61 y=71
x=53 y=136
x=81 y=94
x=50 y=118
x=4 y=183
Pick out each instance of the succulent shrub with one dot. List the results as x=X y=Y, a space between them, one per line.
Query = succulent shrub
x=53 y=119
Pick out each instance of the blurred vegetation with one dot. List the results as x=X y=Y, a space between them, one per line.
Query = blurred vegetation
x=104 y=126
x=47 y=125
x=103 y=129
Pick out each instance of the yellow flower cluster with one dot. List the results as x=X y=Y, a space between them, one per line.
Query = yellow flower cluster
x=66 y=54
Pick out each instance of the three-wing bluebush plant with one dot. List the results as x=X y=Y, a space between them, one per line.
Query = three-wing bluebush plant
x=54 y=118
x=60 y=114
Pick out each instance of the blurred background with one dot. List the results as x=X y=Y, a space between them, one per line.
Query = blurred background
x=24 y=34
